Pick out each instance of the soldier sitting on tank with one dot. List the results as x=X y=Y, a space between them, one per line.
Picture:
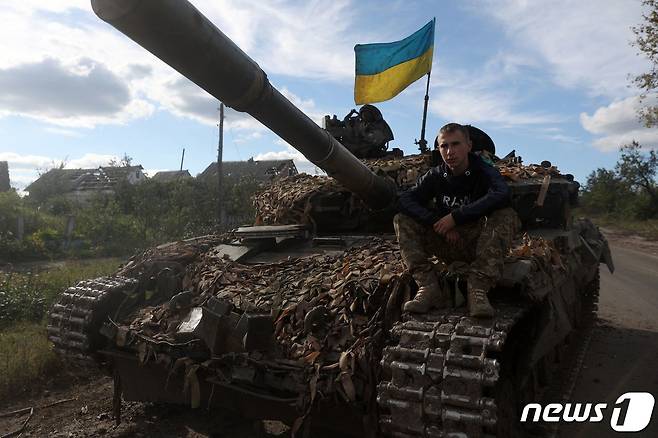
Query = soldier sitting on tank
x=470 y=222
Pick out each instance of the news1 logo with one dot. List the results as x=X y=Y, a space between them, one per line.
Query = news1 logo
x=630 y=413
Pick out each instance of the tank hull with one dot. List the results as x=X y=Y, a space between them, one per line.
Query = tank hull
x=451 y=371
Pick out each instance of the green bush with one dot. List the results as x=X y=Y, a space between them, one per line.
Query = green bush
x=27 y=296
x=136 y=217
x=104 y=230
x=20 y=299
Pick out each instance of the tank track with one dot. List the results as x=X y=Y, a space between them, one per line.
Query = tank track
x=74 y=321
x=438 y=380
x=584 y=331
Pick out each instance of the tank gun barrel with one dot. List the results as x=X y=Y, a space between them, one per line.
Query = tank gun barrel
x=177 y=33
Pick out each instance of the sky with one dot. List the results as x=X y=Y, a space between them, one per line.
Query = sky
x=549 y=79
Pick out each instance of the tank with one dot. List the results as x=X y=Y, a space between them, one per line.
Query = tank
x=299 y=317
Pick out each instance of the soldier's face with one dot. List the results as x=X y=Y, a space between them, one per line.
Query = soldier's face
x=454 y=150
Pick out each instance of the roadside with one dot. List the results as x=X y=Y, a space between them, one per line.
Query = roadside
x=627 y=239
x=624 y=227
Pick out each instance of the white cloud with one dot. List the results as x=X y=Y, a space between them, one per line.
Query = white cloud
x=287 y=153
x=611 y=142
x=82 y=94
x=61 y=48
x=582 y=44
x=312 y=39
x=182 y=97
x=492 y=93
x=509 y=63
x=63 y=131
x=16 y=160
x=111 y=80
x=561 y=138
x=20 y=179
x=473 y=105
x=290 y=153
x=305 y=40
x=64 y=67
x=618 y=124
x=619 y=116
x=89 y=161
x=248 y=137
x=307 y=106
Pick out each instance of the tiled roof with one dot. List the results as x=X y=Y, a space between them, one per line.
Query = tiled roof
x=67 y=180
x=258 y=170
x=170 y=175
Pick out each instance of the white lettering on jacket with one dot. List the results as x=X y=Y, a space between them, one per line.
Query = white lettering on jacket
x=455 y=201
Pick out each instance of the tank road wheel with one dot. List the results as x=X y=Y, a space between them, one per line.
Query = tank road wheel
x=75 y=319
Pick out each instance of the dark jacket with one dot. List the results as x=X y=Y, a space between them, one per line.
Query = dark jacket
x=469 y=196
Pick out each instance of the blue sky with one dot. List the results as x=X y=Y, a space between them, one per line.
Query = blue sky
x=547 y=78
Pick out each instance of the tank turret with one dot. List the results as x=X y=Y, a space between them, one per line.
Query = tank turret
x=176 y=32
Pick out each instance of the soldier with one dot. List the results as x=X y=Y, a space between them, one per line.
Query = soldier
x=470 y=222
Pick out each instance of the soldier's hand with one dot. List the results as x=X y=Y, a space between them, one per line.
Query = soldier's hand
x=453 y=238
x=445 y=224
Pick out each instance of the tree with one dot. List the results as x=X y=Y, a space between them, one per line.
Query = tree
x=125 y=161
x=647 y=42
x=638 y=170
x=605 y=192
x=630 y=189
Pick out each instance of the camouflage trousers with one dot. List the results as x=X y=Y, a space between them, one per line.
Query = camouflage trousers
x=482 y=244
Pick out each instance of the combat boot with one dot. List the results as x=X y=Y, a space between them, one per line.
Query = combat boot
x=478 y=303
x=429 y=294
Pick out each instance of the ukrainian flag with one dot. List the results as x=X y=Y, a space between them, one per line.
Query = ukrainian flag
x=385 y=69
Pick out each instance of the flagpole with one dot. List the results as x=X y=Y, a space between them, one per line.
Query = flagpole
x=422 y=143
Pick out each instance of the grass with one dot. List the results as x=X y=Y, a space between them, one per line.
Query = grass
x=645 y=228
x=26 y=294
x=26 y=357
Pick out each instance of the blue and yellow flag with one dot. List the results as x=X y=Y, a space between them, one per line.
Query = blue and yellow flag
x=385 y=69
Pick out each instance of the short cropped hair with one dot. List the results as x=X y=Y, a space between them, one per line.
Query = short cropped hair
x=454 y=127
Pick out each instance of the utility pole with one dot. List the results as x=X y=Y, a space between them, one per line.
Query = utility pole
x=182 y=158
x=220 y=175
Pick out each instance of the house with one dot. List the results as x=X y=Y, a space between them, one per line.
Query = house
x=171 y=175
x=260 y=171
x=4 y=177
x=80 y=185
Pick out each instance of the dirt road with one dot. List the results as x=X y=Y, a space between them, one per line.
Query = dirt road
x=623 y=354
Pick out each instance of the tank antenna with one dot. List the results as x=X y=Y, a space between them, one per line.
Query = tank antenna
x=220 y=174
